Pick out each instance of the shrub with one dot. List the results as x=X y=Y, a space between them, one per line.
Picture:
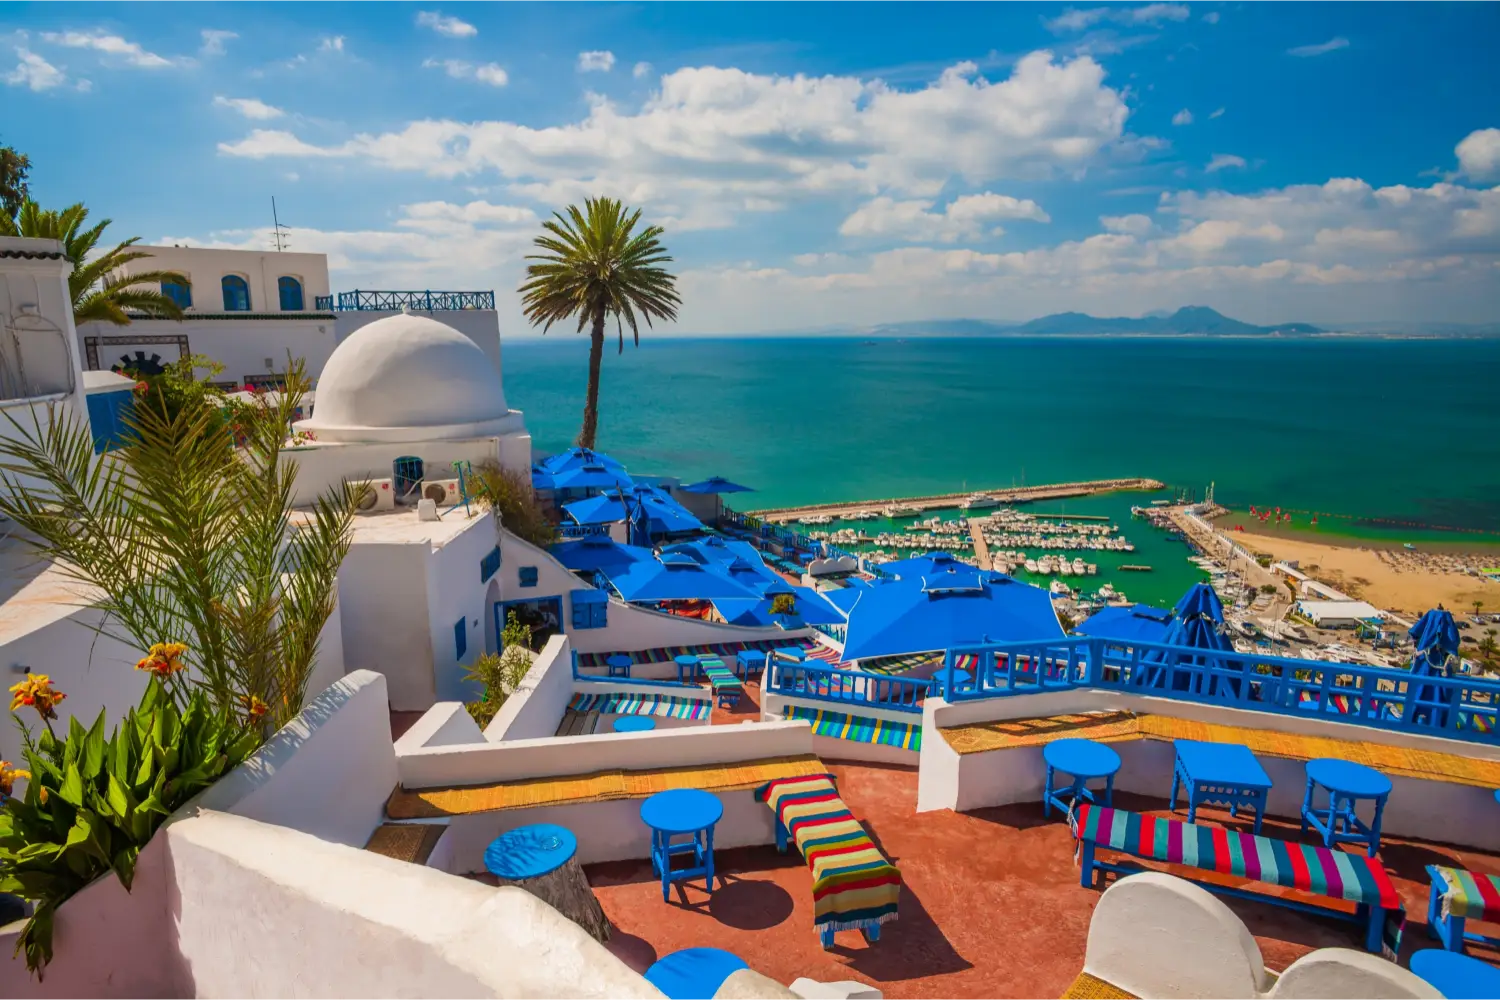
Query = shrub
x=783 y=604
x=508 y=494
x=500 y=674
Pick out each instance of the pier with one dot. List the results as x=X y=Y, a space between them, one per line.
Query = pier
x=981 y=545
x=943 y=501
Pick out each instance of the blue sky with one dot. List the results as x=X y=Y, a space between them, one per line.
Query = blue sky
x=813 y=164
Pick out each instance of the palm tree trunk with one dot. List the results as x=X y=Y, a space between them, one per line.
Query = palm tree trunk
x=591 y=400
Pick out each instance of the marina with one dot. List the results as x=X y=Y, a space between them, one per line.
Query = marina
x=901 y=506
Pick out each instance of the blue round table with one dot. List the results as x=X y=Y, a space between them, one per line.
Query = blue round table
x=1457 y=976
x=687 y=664
x=542 y=859
x=1084 y=760
x=618 y=664
x=1346 y=783
x=634 y=724
x=682 y=812
x=693 y=973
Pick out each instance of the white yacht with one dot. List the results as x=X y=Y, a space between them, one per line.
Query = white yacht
x=979 y=501
x=1031 y=566
x=1079 y=568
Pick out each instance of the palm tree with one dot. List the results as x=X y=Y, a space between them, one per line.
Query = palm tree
x=597 y=266
x=98 y=289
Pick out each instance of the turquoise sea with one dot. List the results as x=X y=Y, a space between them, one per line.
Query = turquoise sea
x=1391 y=440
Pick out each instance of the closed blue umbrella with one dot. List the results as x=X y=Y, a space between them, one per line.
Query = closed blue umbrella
x=1435 y=636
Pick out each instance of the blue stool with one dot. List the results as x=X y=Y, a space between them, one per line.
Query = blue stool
x=750 y=661
x=1225 y=774
x=530 y=851
x=1085 y=760
x=619 y=665
x=634 y=724
x=686 y=664
x=682 y=812
x=1455 y=975
x=1346 y=782
x=693 y=973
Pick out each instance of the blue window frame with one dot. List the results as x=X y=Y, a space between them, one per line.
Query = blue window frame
x=236 y=294
x=528 y=576
x=460 y=638
x=290 y=290
x=590 y=609
x=489 y=565
x=182 y=295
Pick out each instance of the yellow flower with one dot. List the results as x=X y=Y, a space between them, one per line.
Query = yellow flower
x=163 y=659
x=8 y=776
x=255 y=709
x=37 y=691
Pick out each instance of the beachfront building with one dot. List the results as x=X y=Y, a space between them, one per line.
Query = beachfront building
x=1340 y=613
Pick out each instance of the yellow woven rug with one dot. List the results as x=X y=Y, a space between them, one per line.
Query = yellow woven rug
x=1123 y=726
x=406 y=841
x=1087 y=987
x=601 y=786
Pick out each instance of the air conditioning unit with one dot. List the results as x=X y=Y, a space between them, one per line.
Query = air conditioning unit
x=381 y=495
x=442 y=491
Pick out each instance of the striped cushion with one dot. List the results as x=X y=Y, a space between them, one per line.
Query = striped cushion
x=858 y=728
x=1317 y=870
x=720 y=676
x=1472 y=895
x=666 y=654
x=666 y=706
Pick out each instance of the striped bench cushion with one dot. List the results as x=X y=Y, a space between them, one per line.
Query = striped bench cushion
x=907 y=736
x=1471 y=895
x=855 y=887
x=1311 y=869
x=665 y=706
x=666 y=654
x=720 y=676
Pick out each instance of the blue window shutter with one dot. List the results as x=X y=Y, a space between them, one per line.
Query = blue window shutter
x=290 y=290
x=460 y=638
x=528 y=576
x=236 y=294
x=489 y=565
x=182 y=295
x=601 y=614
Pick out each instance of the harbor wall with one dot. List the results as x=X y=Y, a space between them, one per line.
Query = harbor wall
x=940 y=500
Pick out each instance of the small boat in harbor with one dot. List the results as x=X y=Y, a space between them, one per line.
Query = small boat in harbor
x=979 y=501
x=1031 y=566
x=1079 y=568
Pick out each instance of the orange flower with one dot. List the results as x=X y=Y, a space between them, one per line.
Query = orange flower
x=37 y=691
x=8 y=776
x=255 y=709
x=163 y=659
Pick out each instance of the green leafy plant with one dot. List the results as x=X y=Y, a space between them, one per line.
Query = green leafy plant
x=508 y=494
x=92 y=801
x=500 y=673
x=783 y=604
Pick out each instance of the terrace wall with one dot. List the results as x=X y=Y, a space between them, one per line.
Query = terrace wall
x=772 y=707
x=536 y=706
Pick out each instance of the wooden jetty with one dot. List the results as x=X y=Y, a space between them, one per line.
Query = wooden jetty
x=981 y=546
x=1014 y=494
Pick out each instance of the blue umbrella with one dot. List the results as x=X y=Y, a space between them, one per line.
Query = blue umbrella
x=1201 y=600
x=1140 y=623
x=715 y=484
x=1196 y=625
x=591 y=476
x=932 y=562
x=574 y=458
x=1435 y=636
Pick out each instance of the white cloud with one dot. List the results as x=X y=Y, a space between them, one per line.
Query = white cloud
x=596 y=62
x=112 y=45
x=35 y=73
x=213 y=41
x=334 y=43
x=1073 y=19
x=1131 y=225
x=1212 y=17
x=1478 y=154
x=249 y=107
x=490 y=73
x=641 y=70
x=711 y=142
x=1322 y=48
x=1222 y=161
x=450 y=26
x=1183 y=117
x=963 y=218
x=1216 y=113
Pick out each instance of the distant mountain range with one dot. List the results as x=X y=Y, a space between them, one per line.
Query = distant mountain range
x=1189 y=320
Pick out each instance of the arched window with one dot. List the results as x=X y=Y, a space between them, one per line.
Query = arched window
x=180 y=294
x=291 y=294
x=236 y=294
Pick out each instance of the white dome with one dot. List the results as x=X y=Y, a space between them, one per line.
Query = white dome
x=407 y=378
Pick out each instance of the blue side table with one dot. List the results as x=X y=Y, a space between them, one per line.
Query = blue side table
x=634 y=724
x=1223 y=774
x=1085 y=760
x=693 y=973
x=1457 y=976
x=961 y=679
x=619 y=665
x=682 y=812
x=750 y=661
x=686 y=664
x=542 y=859
x=794 y=653
x=1346 y=783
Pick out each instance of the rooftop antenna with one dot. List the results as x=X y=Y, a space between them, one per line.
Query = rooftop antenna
x=278 y=231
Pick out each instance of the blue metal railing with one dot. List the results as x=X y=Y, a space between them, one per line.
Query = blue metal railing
x=323 y=303
x=838 y=631
x=848 y=686
x=1380 y=697
x=581 y=530
x=427 y=301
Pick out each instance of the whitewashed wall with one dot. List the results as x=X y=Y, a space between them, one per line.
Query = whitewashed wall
x=536 y=707
x=241 y=345
x=455 y=591
x=324 y=466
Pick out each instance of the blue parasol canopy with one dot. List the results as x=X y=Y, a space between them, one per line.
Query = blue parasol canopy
x=592 y=476
x=575 y=458
x=663 y=515
x=541 y=479
x=1201 y=601
x=651 y=580
x=1141 y=623
x=716 y=484
x=812 y=609
x=1435 y=636
x=950 y=607
x=932 y=562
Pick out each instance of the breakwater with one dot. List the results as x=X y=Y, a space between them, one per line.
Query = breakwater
x=1009 y=495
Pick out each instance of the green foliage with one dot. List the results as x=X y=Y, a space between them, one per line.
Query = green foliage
x=14 y=167
x=1268 y=588
x=500 y=674
x=98 y=291
x=514 y=633
x=783 y=604
x=94 y=801
x=509 y=495
x=1067 y=621
x=178 y=387
x=1263 y=560
x=596 y=266
x=188 y=539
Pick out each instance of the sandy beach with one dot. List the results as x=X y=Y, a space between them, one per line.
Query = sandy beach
x=1396 y=579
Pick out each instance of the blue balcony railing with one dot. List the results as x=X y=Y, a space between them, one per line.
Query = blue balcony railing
x=323 y=303
x=426 y=301
x=1381 y=697
x=848 y=686
x=581 y=530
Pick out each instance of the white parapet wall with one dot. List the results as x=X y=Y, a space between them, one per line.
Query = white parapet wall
x=1431 y=810
x=535 y=708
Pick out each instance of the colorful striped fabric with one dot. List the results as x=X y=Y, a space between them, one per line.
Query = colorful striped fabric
x=1311 y=869
x=666 y=706
x=666 y=654
x=1471 y=895
x=720 y=676
x=858 y=728
x=855 y=887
